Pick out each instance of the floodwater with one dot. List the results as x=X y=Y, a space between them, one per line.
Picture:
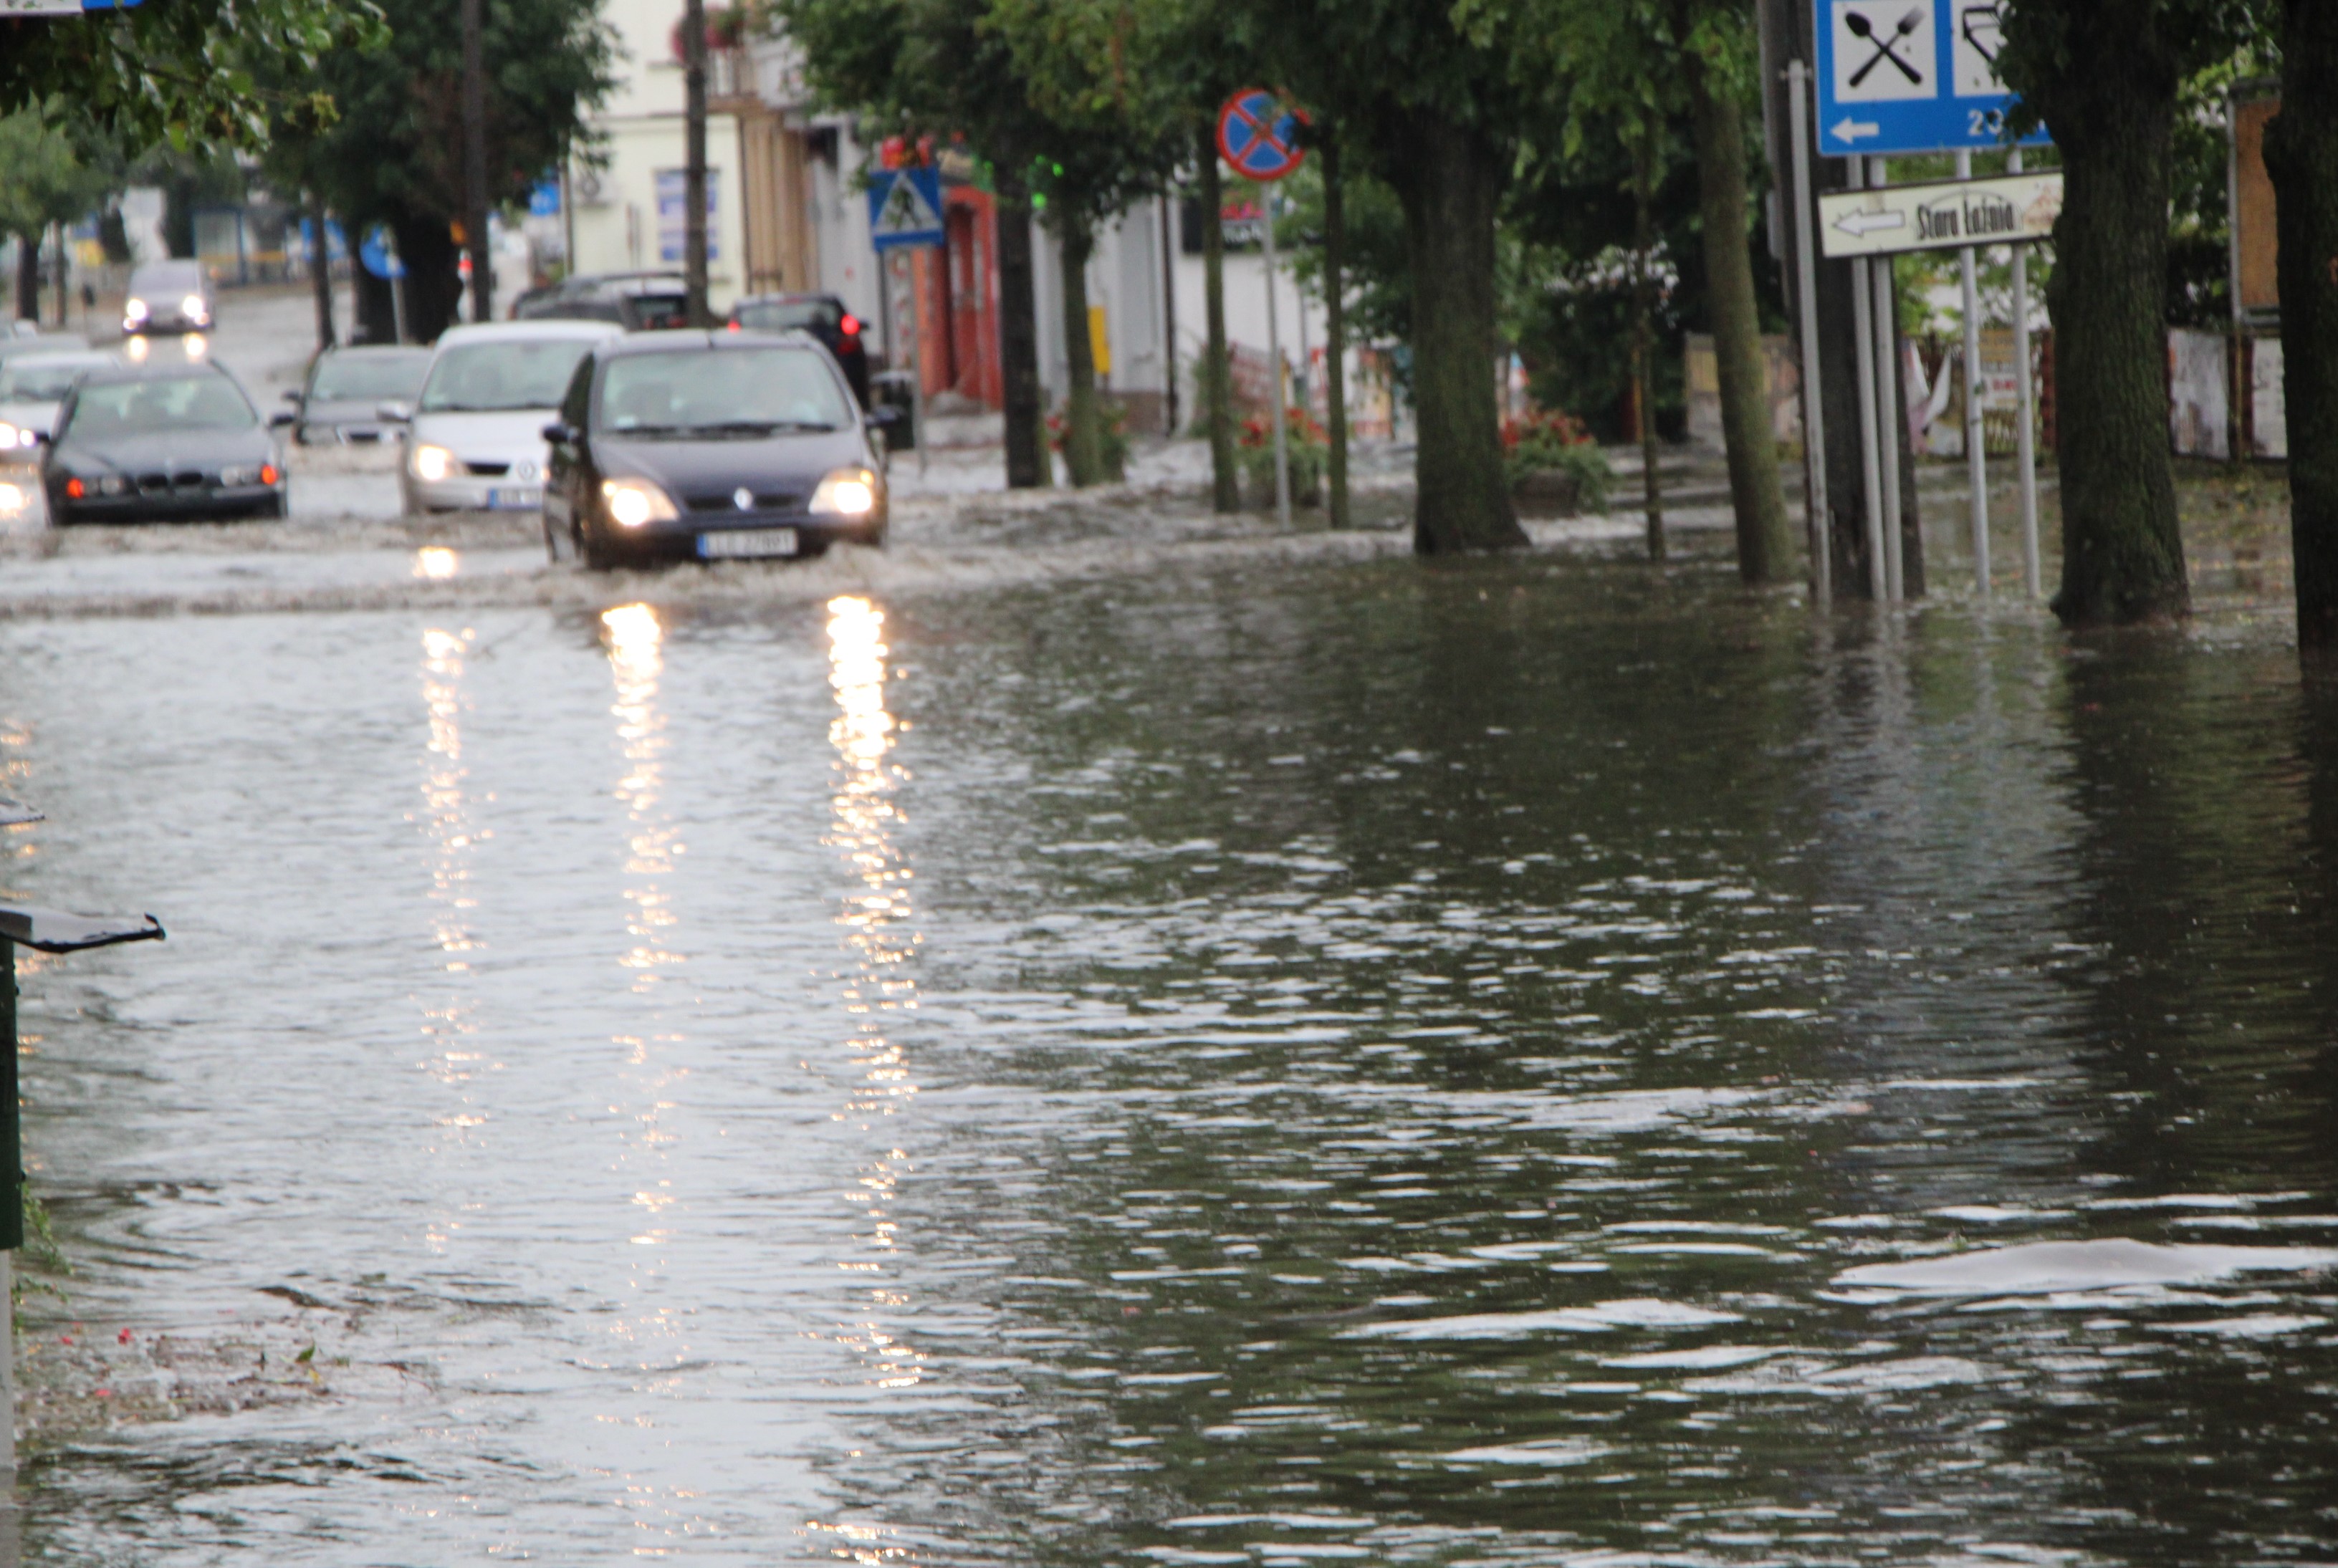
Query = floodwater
x=1317 y=1061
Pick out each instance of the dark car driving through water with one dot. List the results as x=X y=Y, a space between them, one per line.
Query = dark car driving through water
x=166 y=440
x=339 y=401
x=839 y=330
x=709 y=446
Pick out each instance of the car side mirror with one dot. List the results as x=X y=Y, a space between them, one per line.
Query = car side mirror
x=282 y=418
x=560 y=433
x=397 y=411
x=883 y=418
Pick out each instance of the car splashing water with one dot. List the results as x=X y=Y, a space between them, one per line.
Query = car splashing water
x=1518 y=1063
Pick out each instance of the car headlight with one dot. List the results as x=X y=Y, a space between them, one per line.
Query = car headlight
x=11 y=436
x=113 y=484
x=847 y=493
x=432 y=463
x=134 y=309
x=634 y=501
x=194 y=308
x=14 y=499
x=234 y=475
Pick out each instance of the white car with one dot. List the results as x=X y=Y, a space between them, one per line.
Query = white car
x=31 y=387
x=475 y=438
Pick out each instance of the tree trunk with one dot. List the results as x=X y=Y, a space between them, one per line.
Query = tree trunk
x=1644 y=310
x=64 y=286
x=1764 y=539
x=1450 y=181
x=2301 y=148
x=28 y=277
x=434 y=288
x=320 y=272
x=475 y=198
x=1217 y=397
x=1018 y=337
x=2112 y=110
x=694 y=163
x=1335 y=345
x=1083 y=421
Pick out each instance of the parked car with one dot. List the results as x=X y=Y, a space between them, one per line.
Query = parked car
x=474 y=437
x=711 y=446
x=169 y=297
x=176 y=439
x=637 y=301
x=31 y=388
x=823 y=316
x=338 y=402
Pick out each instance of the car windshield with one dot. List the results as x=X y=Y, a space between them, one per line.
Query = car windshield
x=707 y=390
x=787 y=315
x=363 y=376
x=660 y=312
x=518 y=373
x=43 y=380
x=177 y=402
x=185 y=276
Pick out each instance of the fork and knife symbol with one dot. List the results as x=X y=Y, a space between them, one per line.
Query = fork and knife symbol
x=1886 y=45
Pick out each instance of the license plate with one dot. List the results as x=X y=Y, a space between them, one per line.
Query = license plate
x=524 y=496
x=746 y=543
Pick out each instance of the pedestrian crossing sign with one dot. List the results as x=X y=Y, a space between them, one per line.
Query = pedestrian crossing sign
x=905 y=208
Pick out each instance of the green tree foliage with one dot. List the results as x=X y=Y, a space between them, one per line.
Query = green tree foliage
x=394 y=152
x=45 y=178
x=187 y=72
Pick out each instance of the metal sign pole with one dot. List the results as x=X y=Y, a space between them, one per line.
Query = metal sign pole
x=1275 y=374
x=1891 y=409
x=1976 y=457
x=2025 y=436
x=1806 y=266
x=916 y=360
x=1862 y=312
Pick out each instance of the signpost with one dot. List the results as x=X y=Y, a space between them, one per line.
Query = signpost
x=904 y=211
x=1258 y=133
x=1909 y=76
x=378 y=254
x=1905 y=77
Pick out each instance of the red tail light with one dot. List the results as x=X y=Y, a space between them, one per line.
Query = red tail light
x=75 y=489
x=849 y=325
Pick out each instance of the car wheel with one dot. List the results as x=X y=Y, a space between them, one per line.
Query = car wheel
x=600 y=552
x=559 y=543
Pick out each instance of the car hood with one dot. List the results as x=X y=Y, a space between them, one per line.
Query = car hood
x=790 y=462
x=507 y=435
x=41 y=416
x=346 y=411
x=169 y=448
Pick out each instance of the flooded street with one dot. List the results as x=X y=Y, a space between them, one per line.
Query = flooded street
x=1290 y=1055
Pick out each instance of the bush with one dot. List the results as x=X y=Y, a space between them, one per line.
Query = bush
x=1556 y=442
x=1309 y=448
x=1114 y=415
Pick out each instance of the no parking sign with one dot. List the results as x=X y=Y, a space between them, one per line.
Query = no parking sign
x=1258 y=133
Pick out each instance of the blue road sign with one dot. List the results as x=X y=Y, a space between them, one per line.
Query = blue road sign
x=544 y=202
x=337 y=246
x=379 y=254
x=1910 y=76
x=1258 y=133
x=905 y=208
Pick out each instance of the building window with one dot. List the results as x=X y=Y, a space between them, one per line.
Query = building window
x=669 y=209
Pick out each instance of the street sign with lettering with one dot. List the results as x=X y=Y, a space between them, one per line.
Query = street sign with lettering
x=2012 y=210
x=1910 y=76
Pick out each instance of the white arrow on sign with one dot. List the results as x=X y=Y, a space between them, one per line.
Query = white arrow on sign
x=1852 y=129
x=1869 y=222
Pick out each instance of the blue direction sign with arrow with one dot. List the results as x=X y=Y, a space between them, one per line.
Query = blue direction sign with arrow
x=378 y=252
x=1910 y=76
x=905 y=208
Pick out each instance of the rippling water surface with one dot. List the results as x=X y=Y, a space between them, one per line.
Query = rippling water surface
x=1508 y=1064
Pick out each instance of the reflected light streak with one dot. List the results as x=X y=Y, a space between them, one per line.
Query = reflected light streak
x=863 y=824
x=445 y=823
x=436 y=562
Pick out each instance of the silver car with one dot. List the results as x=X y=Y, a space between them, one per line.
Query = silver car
x=475 y=438
x=31 y=387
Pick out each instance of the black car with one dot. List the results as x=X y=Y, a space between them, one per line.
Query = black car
x=637 y=301
x=178 y=440
x=822 y=315
x=709 y=446
x=339 y=400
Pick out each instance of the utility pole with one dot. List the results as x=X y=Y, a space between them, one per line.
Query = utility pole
x=693 y=179
x=475 y=164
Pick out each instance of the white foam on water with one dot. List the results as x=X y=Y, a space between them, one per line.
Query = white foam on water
x=2043 y=1267
x=1640 y=1312
x=1551 y=1452
x=2258 y=1325
x=1705 y=1358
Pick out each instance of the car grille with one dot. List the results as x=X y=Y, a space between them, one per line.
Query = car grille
x=486 y=470
x=185 y=481
x=765 y=501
